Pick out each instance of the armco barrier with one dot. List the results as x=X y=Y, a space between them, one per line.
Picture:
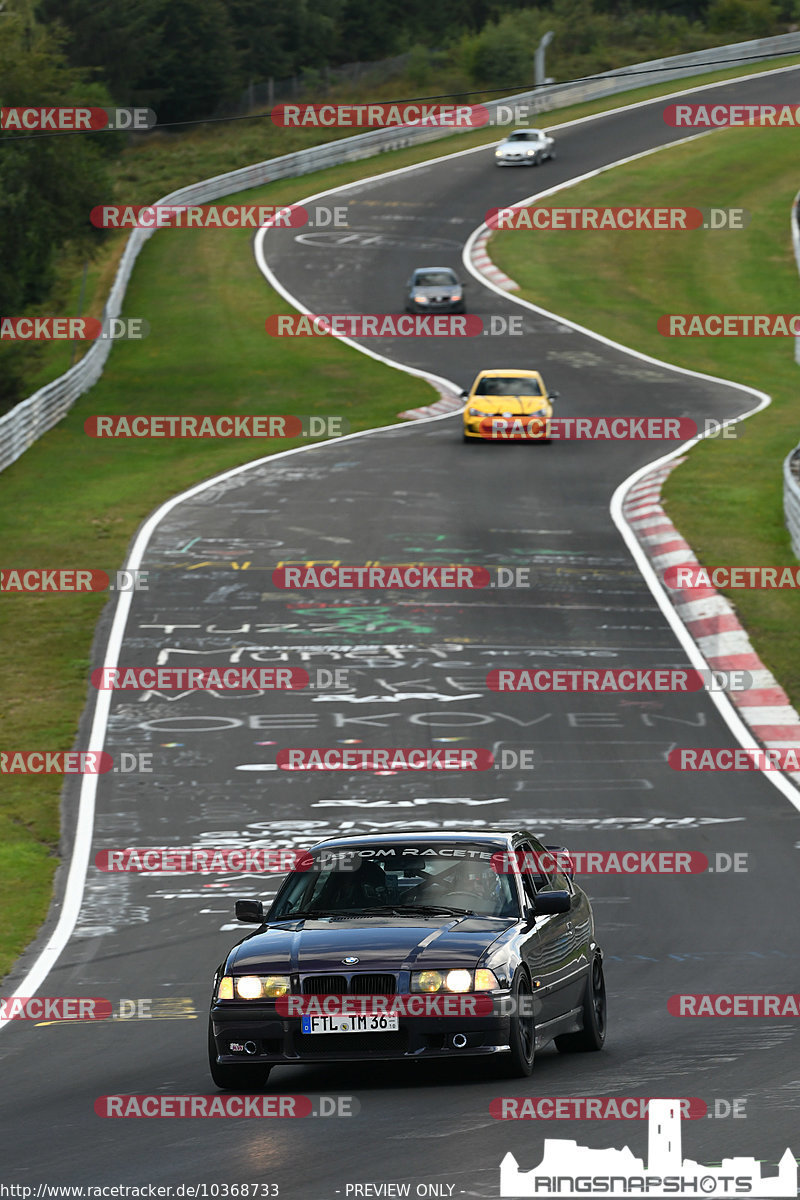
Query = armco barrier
x=791 y=464
x=29 y=419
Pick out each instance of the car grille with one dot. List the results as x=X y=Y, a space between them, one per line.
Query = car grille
x=325 y=985
x=352 y=1043
x=373 y=985
x=353 y=985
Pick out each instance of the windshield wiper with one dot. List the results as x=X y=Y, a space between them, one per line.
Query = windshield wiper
x=306 y=912
x=425 y=910
x=399 y=910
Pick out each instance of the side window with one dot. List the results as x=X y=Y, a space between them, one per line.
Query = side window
x=555 y=881
x=531 y=878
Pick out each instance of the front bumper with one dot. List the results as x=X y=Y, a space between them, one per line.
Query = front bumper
x=472 y=427
x=278 y=1040
x=448 y=306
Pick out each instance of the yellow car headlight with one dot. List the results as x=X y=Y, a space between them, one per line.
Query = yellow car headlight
x=426 y=981
x=277 y=985
x=457 y=980
x=225 y=989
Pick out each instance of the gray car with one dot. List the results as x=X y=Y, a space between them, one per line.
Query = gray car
x=435 y=289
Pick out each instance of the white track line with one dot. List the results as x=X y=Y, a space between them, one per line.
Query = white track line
x=724 y=705
x=76 y=878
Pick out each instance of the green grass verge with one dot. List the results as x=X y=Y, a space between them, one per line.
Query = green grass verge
x=727 y=498
x=75 y=501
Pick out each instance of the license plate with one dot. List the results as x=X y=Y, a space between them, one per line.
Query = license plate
x=360 y=1023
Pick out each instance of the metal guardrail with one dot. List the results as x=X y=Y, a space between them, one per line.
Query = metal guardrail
x=28 y=420
x=791 y=464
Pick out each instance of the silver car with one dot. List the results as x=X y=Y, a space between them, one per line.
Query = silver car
x=525 y=148
x=435 y=289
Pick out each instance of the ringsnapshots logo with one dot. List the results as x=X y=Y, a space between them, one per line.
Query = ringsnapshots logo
x=569 y=1170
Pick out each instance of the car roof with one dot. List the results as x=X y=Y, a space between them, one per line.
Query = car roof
x=425 y=837
x=510 y=372
x=417 y=270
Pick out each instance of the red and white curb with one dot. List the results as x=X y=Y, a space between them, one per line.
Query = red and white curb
x=482 y=262
x=711 y=619
x=447 y=403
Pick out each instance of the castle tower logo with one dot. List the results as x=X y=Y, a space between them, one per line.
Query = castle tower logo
x=568 y=1169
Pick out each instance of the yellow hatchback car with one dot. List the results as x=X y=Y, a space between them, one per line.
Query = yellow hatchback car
x=506 y=393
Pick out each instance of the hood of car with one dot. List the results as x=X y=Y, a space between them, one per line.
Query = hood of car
x=511 y=404
x=522 y=144
x=384 y=943
x=439 y=289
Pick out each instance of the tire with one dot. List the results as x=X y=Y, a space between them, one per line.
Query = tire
x=593 y=1034
x=519 y=1062
x=235 y=1079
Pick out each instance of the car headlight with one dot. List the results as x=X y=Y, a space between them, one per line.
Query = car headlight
x=485 y=980
x=477 y=412
x=530 y=153
x=420 y=299
x=455 y=296
x=457 y=980
x=253 y=987
x=499 y=152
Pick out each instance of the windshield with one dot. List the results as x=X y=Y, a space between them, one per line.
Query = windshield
x=403 y=878
x=508 y=385
x=435 y=279
x=525 y=135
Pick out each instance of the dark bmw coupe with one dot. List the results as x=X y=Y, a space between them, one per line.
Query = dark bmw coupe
x=411 y=947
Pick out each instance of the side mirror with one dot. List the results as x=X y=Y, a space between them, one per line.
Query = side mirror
x=465 y=394
x=549 y=903
x=251 y=911
x=554 y=395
